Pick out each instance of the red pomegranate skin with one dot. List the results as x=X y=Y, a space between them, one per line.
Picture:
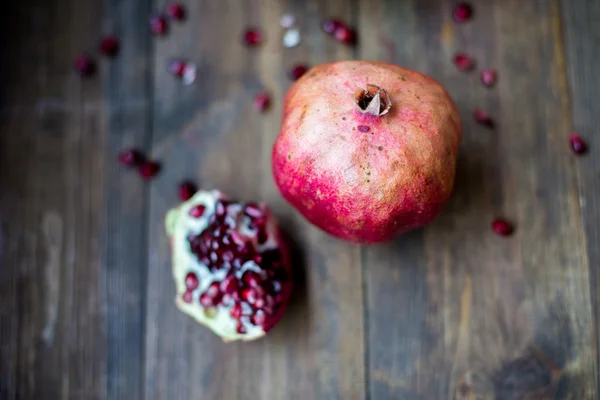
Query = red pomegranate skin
x=366 y=186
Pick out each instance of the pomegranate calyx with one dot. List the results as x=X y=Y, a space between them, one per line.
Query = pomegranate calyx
x=373 y=100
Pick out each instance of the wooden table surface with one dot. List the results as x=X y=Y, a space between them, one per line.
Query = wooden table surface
x=451 y=311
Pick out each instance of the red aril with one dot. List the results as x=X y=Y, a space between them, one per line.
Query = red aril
x=252 y=37
x=158 y=24
x=262 y=101
x=131 y=157
x=330 y=25
x=239 y=286
x=463 y=12
x=176 y=11
x=109 y=46
x=483 y=118
x=297 y=71
x=85 y=65
x=463 y=62
x=345 y=35
x=488 y=77
x=148 y=169
x=502 y=227
x=177 y=67
x=577 y=144
x=187 y=190
x=367 y=150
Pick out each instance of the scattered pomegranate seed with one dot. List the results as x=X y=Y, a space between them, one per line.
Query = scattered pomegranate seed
x=297 y=71
x=191 y=281
x=463 y=12
x=190 y=73
x=345 y=35
x=287 y=20
x=197 y=211
x=149 y=169
x=131 y=157
x=488 y=77
x=85 y=65
x=252 y=37
x=262 y=101
x=109 y=46
x=158 y=24
x=363 y=128
x=331 y=25
x=176 y=11
x=483 y=118
x=502 y=227
x=176 y=67
x=463 y=62
x=291 y=38
x=577 y=143
x=186 y=190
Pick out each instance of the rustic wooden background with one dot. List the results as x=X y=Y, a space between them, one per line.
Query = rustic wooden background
x=451 y=311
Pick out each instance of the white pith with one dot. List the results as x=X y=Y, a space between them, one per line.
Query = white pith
x=180 y=225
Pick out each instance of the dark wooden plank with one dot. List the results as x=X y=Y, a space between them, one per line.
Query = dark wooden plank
x=455 y=311
x=51 y=161
x=128 y=93
x=210 y=131
x=582 y=51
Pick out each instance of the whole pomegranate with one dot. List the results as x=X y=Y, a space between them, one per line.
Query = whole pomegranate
x=231 y=269
x=367 y=150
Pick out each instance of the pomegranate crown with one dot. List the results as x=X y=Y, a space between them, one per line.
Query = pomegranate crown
x=373 y=100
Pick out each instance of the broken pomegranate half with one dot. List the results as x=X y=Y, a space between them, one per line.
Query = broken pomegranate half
x=231 y=269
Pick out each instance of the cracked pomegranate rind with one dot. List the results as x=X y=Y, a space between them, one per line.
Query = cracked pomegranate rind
x=231 y=269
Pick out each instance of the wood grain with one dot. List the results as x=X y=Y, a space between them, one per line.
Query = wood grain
x=128 y=93
x=450 y=311
x=582 y=35
x=456 y=311
x=51 y=145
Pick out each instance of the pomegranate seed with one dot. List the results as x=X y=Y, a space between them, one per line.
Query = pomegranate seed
x=262 y=101
x=236 y=311
x=131 y=157
x=331 y=25
x=258 y=318
x=363 y=128
x=241 y=329
x=463 y=12
x=158 y=24
x=297 y=71
x=149 y=169
x=253 y=210
x=186 y=190
x=502 y=227
x=176 y=11
x=109 y=46
x=577 y=144
x=177 y=67
x=213 y=290
x=463 y=62
x=488 y=77
x=197 y=211
x=85 y=65
x=345 y=35
x=191 y=281
x=187 y=297
x=229 y=284
x=206 y=301
x=251 y=278
x=252 y=37
x=248 y=295
x=483 y=118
